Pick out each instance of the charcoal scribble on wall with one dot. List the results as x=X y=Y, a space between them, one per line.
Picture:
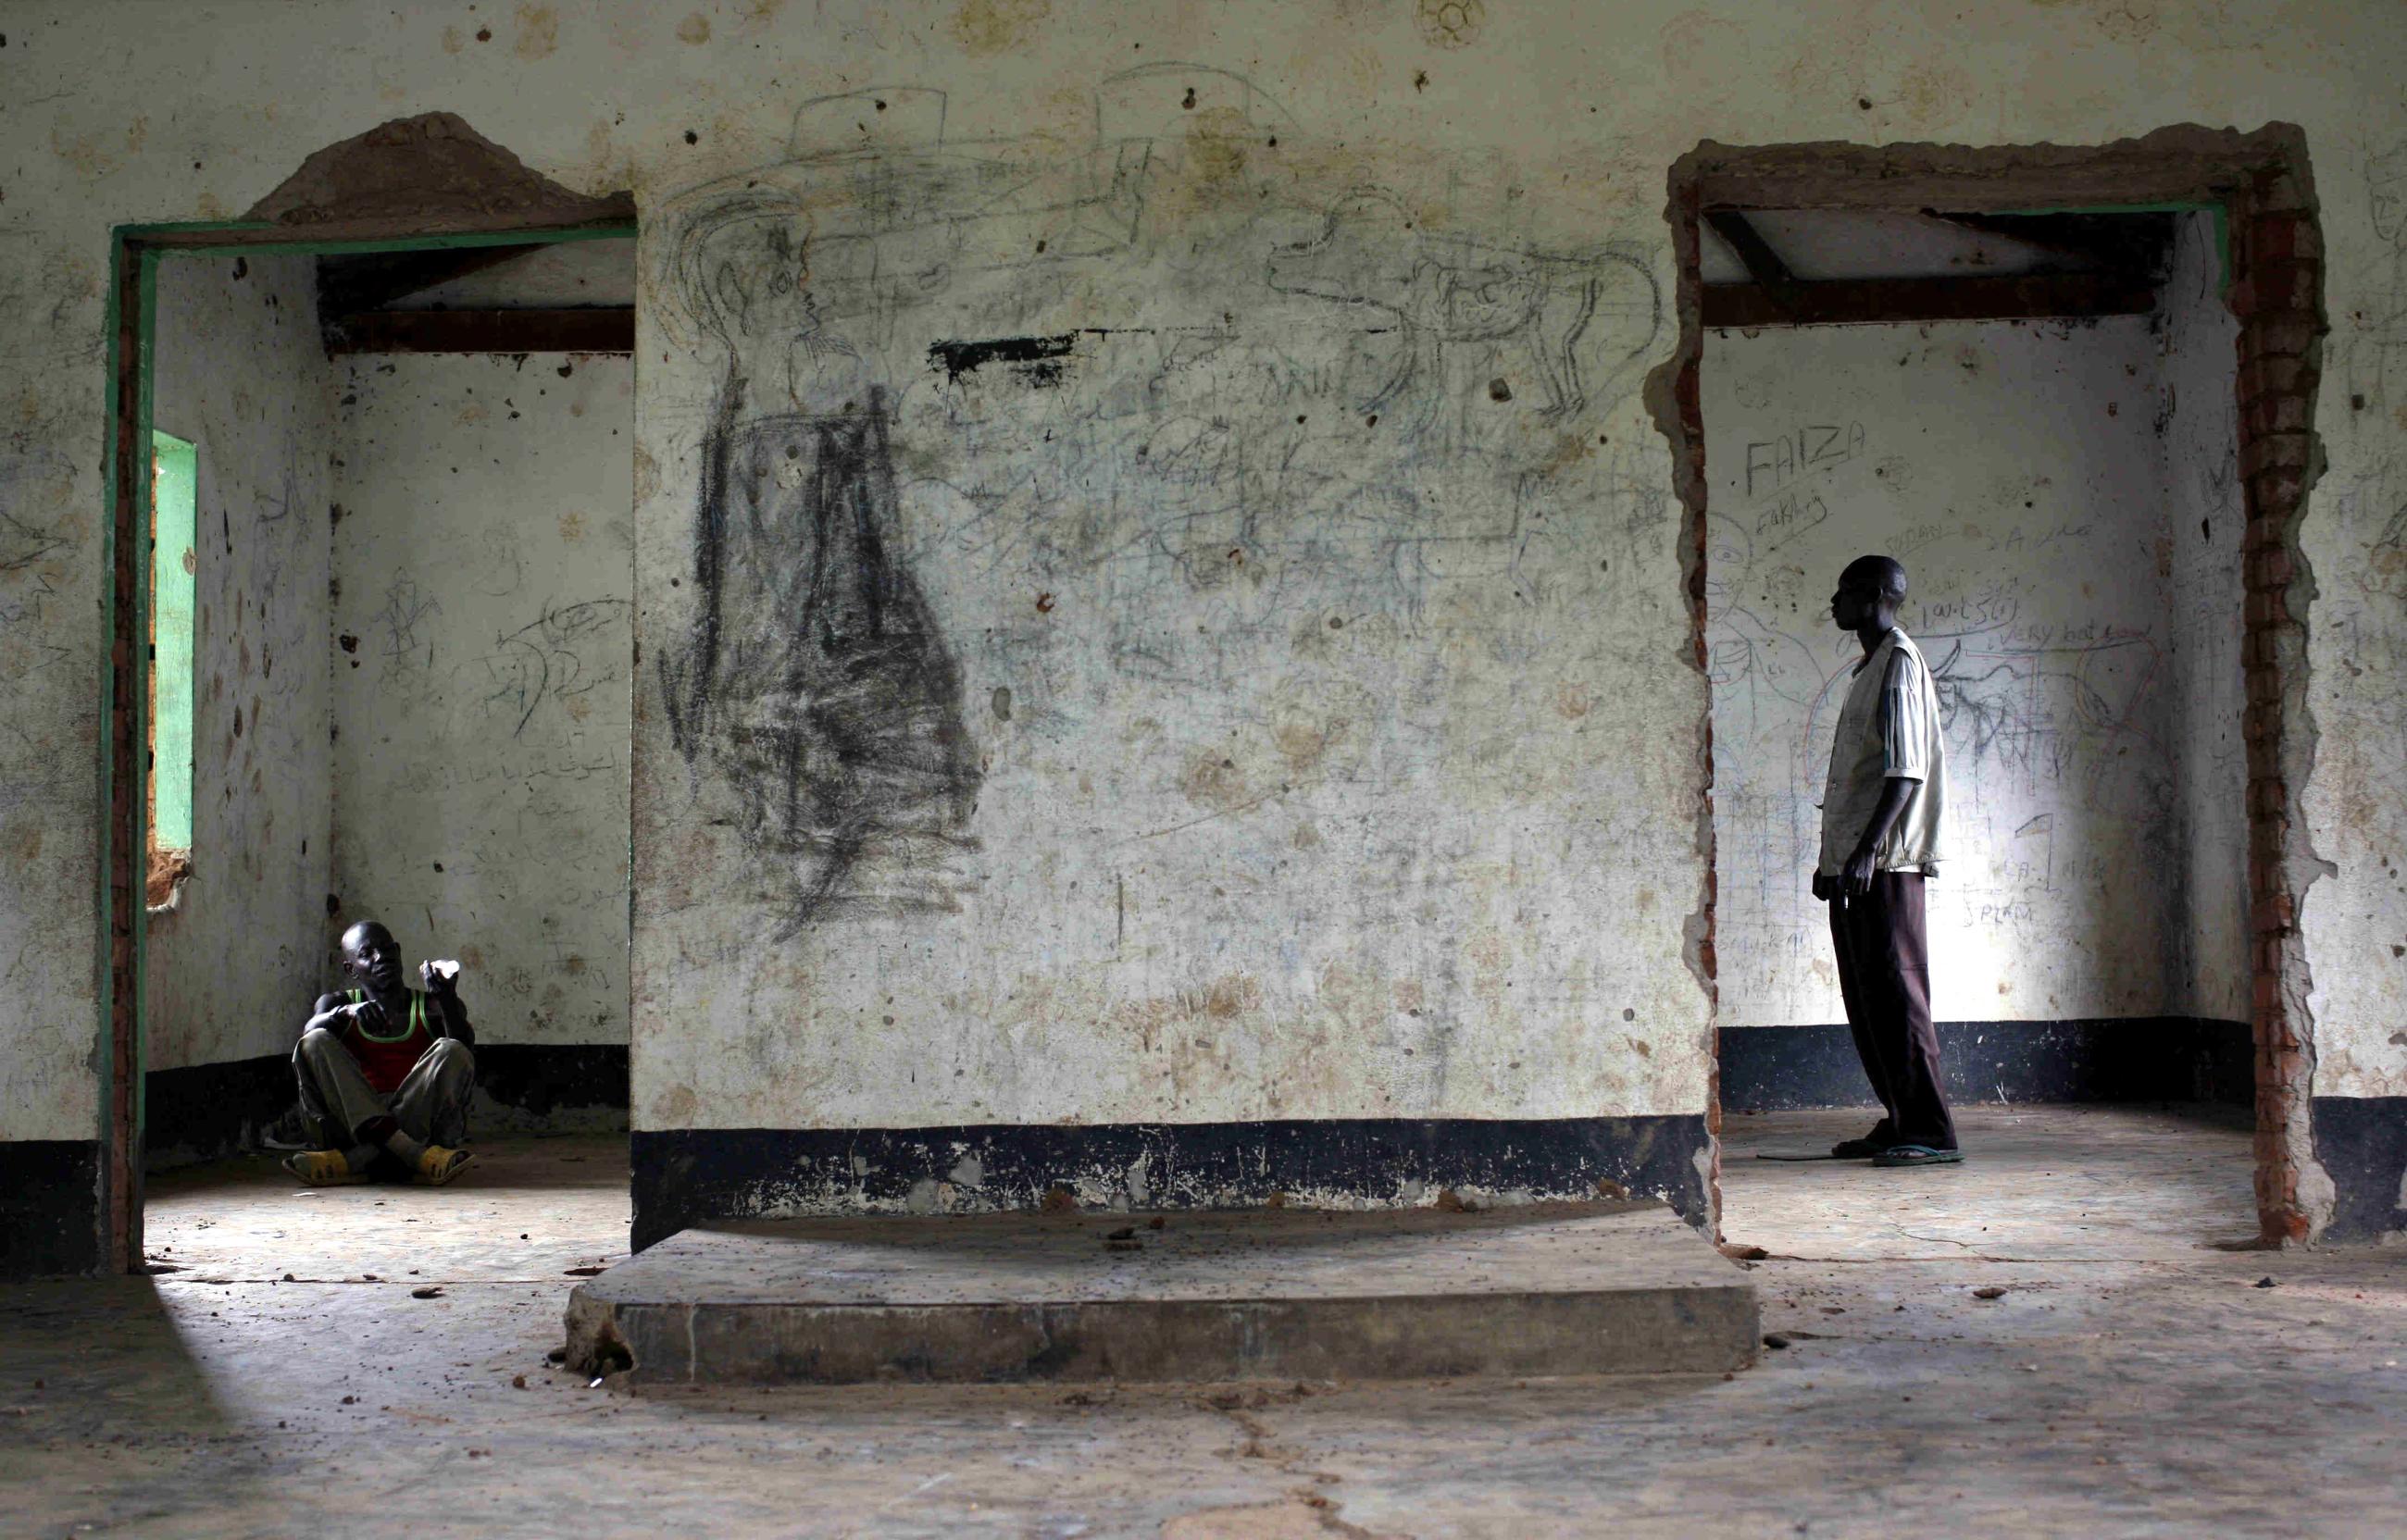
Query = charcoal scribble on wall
x=816 y=681
x=1099 y=425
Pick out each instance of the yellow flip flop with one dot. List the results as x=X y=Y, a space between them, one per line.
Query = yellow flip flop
x=438 y=1166
x=322 y=1169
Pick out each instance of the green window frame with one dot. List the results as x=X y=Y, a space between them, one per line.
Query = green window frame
x=175 y=564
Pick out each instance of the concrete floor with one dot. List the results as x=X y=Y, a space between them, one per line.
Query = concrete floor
x=2130 y=1378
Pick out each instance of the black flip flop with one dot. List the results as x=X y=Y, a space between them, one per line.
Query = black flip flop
x=1898 y=1156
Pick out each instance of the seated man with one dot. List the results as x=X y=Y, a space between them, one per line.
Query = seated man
x=384 y=1071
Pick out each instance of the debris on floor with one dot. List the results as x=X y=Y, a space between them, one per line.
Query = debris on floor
x=2198 y=1428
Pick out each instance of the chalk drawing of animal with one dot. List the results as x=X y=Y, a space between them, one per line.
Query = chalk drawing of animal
x=1576 y=320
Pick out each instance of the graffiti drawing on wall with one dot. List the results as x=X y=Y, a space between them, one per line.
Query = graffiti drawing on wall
x=27 y=552
x=405 y=618
x=1435 y=294
x=545 y=661
x=2033 y=702
x=2079 y=613
x=2373 y=495
x=1123 y=362
x=2382 y=336
x=815 y=680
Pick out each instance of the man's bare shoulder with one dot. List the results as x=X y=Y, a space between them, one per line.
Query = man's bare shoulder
x=328 y=1002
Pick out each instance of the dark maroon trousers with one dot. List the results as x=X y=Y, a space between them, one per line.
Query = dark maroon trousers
x=1885 y=974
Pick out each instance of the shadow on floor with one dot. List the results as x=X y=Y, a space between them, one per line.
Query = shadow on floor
x=91 y=1371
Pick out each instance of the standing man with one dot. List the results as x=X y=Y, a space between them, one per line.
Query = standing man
x=1880 y=841
x=385 y=1072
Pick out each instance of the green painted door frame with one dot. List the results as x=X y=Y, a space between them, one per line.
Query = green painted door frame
x=129 y=521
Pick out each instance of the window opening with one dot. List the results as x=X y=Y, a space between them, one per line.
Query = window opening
x=175 y=561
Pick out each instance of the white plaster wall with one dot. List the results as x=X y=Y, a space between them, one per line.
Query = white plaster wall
x=2205 y=525
x=2014 y=469
x=233 y=966
x=1579 y=108
x=2355 y=539
x=1261 y=722
x=480 y=649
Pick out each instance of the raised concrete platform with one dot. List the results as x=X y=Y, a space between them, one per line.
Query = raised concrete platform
x=1554 y=1289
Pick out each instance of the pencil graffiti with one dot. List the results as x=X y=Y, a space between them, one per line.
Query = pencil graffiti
x=1436 y=296
x=404 y=612
x=1029 y=419
x=2376 y=354
x=544 y=659
x=1774 y=462
x=23 y=545
x=2079 y=608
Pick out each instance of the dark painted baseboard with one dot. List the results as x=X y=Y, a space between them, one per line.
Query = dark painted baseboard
x=2146 y=1059
x=206 y=1110
x=545 y=1079
x=2361 y=1143
x=690 y=1176
x=213 y=1109
x=49 y=1208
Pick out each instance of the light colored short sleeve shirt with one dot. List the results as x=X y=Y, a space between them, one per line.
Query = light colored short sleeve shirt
x=1888 y=728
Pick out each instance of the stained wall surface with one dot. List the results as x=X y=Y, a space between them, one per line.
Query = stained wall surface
x=481 y=658
x=2198 y=416
x=1534 y=766
x=241 y=372
x=2358 y=802
x=1201 y=585
x=2020 y=473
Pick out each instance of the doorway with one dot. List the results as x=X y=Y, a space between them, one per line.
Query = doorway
x=404 y=430
x=2014 y=370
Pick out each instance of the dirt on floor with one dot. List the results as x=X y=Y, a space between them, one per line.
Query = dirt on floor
x=2047 y=1340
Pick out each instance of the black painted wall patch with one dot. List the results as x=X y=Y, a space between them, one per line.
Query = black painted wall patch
x=956 y=358
x=688 y=1177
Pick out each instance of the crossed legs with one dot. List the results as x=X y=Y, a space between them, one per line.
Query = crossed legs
x=425 y=1118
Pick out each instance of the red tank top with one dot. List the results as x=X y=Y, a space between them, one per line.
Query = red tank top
x=387 y=1060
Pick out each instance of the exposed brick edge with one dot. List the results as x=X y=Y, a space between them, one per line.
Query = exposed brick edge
x=2278 y=295
x=1674 y=401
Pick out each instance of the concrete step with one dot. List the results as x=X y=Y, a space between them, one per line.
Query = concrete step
x=1266 y=1294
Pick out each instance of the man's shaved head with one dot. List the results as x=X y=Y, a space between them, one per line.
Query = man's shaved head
x=362 y=930
x=371 y=955
x=1885 y=574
